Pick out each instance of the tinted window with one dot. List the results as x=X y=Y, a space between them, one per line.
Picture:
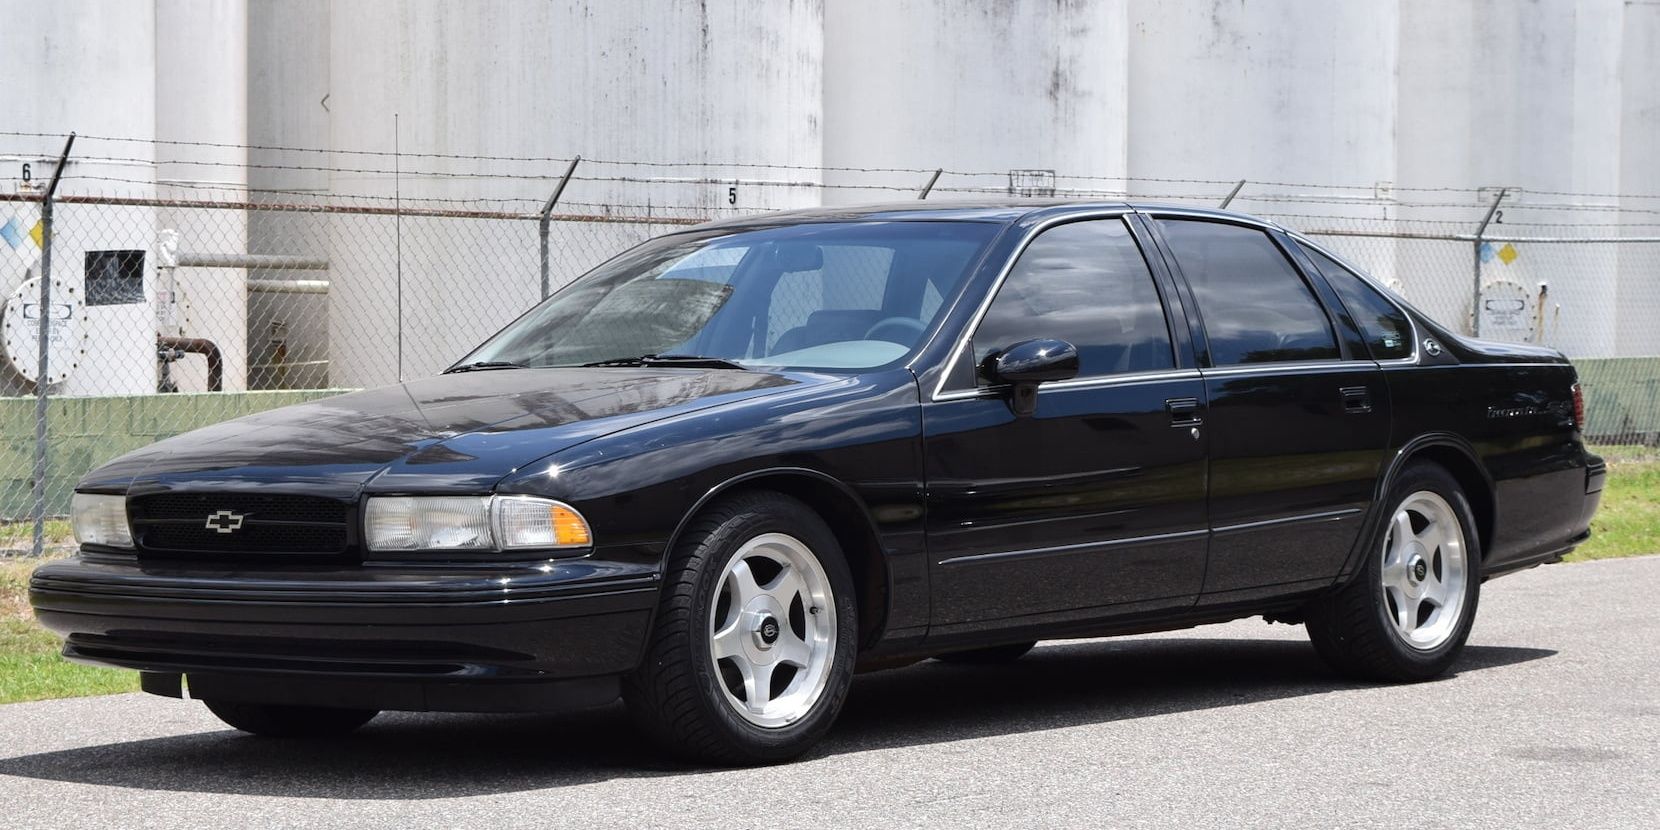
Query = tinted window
x=1255 y=305
x=1084 y=283
x=1388 y=333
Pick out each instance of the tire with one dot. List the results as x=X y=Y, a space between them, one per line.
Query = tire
x=275 y=721
x=711 y=709
x=994 y=655
x=1414 y=626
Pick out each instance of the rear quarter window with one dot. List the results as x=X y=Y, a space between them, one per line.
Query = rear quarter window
x=1387 y=330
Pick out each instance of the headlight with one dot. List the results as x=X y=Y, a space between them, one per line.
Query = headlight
x=409 y=523
x=101 y=520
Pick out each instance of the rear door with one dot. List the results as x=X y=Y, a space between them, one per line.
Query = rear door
x=1095 y=504
x=1298 y=412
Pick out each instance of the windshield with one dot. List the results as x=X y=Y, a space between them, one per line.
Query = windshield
x=846 y=295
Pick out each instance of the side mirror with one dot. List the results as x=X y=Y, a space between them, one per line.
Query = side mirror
x=1028 y=363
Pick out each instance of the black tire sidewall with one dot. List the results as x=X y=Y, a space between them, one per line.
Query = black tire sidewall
x=779 y=514
x=1435 y=479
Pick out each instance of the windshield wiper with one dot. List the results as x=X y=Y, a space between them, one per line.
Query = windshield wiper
x=482 y=365
x=690 y=361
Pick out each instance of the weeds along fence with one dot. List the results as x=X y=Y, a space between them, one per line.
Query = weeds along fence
x=174 y=304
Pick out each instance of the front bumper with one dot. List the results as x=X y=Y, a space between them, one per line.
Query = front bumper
x=410 y=637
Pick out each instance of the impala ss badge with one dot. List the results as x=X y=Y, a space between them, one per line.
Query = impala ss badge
x=225 y=522
x=1512 y=411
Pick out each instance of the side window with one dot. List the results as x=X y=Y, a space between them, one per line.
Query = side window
x=1388 y=332
x=1255 y=306
x=1085 y=283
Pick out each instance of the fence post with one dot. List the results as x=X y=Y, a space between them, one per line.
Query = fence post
x=546 y=221
x=44 y=344
x=929 y=187
x=1228 y=199
x=1475 y=288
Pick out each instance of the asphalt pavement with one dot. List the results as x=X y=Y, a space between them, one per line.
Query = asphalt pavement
x=1551 y=719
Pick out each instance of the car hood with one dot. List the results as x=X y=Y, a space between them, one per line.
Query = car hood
x=460 y=432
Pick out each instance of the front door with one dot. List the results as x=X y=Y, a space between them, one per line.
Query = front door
x=1094 y=504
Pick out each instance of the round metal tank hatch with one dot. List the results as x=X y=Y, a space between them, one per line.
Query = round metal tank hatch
x=20 y=331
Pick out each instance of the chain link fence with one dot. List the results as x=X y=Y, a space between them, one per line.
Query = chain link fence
x=177 y=305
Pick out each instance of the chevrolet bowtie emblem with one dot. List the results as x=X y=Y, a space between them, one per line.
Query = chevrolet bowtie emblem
x=225 y=522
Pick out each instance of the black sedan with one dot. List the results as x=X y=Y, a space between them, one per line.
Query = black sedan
x=725 y=470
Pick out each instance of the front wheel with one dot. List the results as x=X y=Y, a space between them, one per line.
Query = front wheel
x=277 y=721
x=1408 y=612
x=752 y=650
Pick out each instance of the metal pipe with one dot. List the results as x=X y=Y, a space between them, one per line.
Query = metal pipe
x=545 y=223
x=271 y=261
x=202 y=346
x=1466 y=237
x=288 y=286
x=397 y=233
x=44 y=344
x=1481 y=232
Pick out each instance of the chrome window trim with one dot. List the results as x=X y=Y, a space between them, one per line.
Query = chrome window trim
x=1383 y=291
x=1390 y=365
x=964 y=339
x=1229 y=218
x=1124 y=379
x=1287 y=367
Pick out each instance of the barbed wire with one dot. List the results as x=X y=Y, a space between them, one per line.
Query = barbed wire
x=1523 y=211
x=1059 y=176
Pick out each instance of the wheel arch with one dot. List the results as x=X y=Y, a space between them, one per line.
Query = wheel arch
x=845 y=514
x=1458 y=457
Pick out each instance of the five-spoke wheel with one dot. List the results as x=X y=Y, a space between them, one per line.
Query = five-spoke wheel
x=1408 y=612
x=751 y=652
x=772 y=631
x=1423 y=570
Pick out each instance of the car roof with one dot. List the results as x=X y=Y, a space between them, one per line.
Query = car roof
x=1000 y=211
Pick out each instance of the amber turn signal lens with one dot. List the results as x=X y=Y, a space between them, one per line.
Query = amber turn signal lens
x=569 y=529
x=532 y=522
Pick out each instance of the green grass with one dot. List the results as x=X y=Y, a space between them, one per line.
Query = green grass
x=1628 y=521
x=19 y=537
x=30 y=669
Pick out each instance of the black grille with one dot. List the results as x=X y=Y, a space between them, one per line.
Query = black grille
x=234 y=523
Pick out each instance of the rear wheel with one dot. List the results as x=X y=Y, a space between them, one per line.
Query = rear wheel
x=1408 y=612
x=988 y=656
x=276 y=721
x=752 y=651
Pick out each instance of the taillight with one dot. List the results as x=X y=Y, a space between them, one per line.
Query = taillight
x=1579 y=407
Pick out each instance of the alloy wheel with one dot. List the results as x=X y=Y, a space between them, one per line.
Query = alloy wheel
x=1424 y=570
x=772 y=630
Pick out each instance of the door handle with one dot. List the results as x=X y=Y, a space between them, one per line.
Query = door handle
x=1357 y=400
x=1184 y=412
